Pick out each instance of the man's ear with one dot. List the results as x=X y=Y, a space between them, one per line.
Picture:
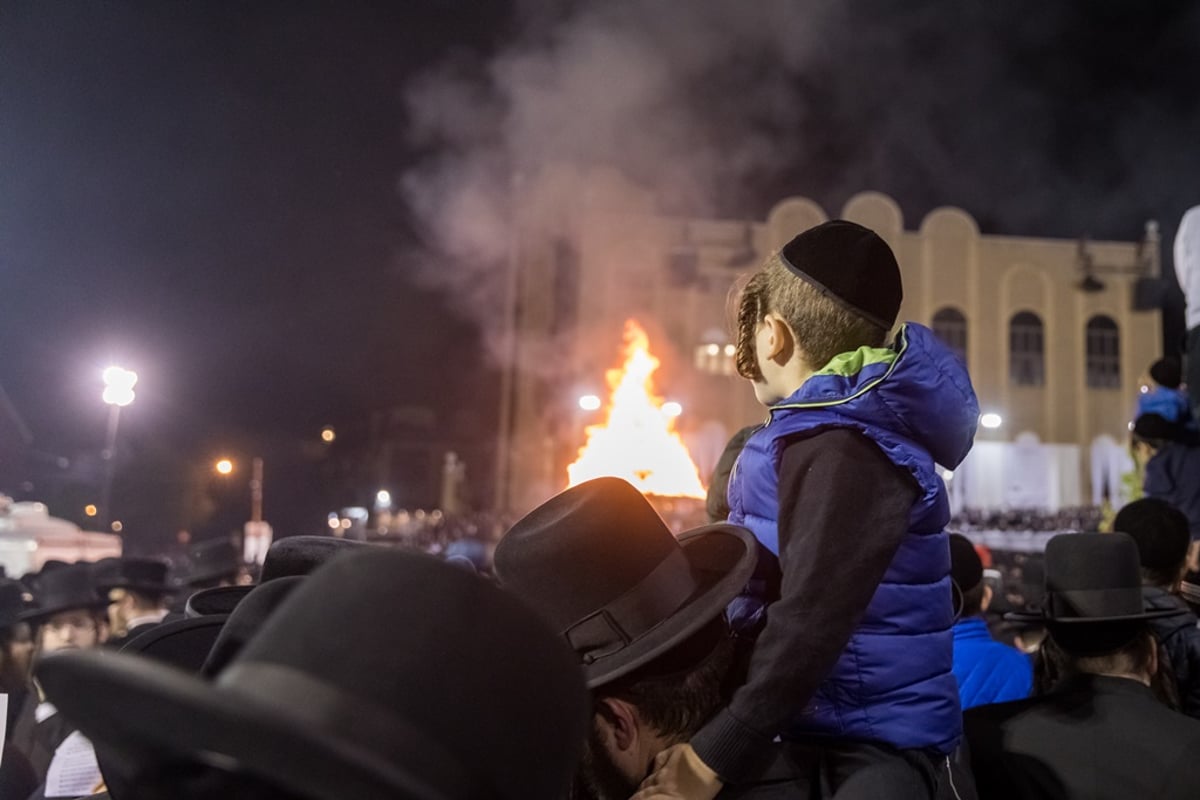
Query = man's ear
x=621 y=721
x=781 y=343
x=988 y=594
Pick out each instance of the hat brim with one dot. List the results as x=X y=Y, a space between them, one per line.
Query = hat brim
x=218 y=600
x=723 y=558
x=1019 y=616
x=182 y=643
x=134 y=707
x=136 y=586
x=42 y=614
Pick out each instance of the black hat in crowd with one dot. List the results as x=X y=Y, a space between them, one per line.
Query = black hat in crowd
x=966 y=569
x=1167 y=372
x=457 y=691
x=1092 y=578
x=146 y=575
x=213 y=560
x=1156 y=426
x=67 y=588
x=602 y=567
x=1160 y=529
x=15 y=600
x=851 y=265
x=182 y=643
x=293 y=556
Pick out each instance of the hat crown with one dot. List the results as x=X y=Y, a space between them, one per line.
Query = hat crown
x=66 y=589
x=433 y=647
x=583 y=549
x=852 y=265
x=300 y=555
x=1092 y=576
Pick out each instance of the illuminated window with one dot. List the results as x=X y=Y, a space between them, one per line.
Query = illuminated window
x=1103 y=353
x=950 y=326
x=1026 y=350
x=715 y=355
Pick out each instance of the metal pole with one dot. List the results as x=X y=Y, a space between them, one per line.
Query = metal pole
x=256 y=491
x=108 y=456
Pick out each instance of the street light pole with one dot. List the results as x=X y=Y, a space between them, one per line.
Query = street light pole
x=110 y=446
x=118 y=392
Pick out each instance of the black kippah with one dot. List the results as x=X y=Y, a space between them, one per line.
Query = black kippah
x=851 y=265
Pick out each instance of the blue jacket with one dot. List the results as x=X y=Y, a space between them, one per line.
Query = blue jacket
x=1173 y=475
x=988 y=671
x=893 y=682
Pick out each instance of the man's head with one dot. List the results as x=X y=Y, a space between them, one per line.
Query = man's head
x=1151 y=433
x=16 y=638
x=1094 y=610
x=136 y=587
x=70 y=613
x=1162 y=535
x=1167 y=372
x=659 y=705
x=966 y=570
x=832 y=289
x=642 y=610
x=214 y=563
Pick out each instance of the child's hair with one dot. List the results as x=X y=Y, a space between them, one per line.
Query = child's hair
x=823 y=327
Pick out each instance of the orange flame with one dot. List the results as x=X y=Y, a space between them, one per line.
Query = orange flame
x=637 y=440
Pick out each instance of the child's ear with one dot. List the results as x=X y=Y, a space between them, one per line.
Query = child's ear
x=780 y=342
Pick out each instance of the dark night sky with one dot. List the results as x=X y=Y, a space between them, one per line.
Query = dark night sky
x=209 y=191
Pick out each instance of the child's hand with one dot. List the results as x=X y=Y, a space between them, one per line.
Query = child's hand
x=679 y=774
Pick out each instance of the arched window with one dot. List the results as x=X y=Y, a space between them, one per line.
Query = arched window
x=1026 y=350
x=1103 y=353
x=950 y=326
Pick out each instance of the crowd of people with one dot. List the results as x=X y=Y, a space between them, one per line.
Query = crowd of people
x=824 y=636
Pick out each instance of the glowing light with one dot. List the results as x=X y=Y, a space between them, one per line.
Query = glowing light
x=713 y=349
x=328 y=434
x=117 y=527
x=334 y=522
x=991 y=421
x=118 y=386
x=589 y=402
x=90 y=510
x=637 y=441
x=345 y=524
x=730 y=350
x=383 y=499
x=224 y=466
x=672 y=409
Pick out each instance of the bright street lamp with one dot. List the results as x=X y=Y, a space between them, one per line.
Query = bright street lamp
x=224 y=466
x=118 y=393
x=991 y=420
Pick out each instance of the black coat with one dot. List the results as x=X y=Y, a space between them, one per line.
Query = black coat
x=1096 y=737
x=1180 y=637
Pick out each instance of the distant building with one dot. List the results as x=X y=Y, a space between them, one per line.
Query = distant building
x=1056 y=333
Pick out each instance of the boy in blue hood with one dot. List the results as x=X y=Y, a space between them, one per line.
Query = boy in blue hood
x=853 y=661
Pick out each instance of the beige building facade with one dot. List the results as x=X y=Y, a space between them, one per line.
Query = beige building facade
x=1059 y=365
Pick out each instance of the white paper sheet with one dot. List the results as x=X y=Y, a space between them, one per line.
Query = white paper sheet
x=73 y=771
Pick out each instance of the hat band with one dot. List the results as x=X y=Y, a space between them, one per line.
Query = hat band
x=356 y=724
x=1100 y=603
x=656 y=597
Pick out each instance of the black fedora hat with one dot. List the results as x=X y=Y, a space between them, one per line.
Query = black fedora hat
x=211 y=560
x=66 y=588
x=455 y=690
x=290 y=557
x=603 y=568
x=1092 y=578
x=148 y=575
x=182 y=643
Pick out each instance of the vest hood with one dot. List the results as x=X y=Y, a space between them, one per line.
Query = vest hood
x=917 y=387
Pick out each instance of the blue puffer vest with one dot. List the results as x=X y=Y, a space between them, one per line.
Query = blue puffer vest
x=894 y=681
